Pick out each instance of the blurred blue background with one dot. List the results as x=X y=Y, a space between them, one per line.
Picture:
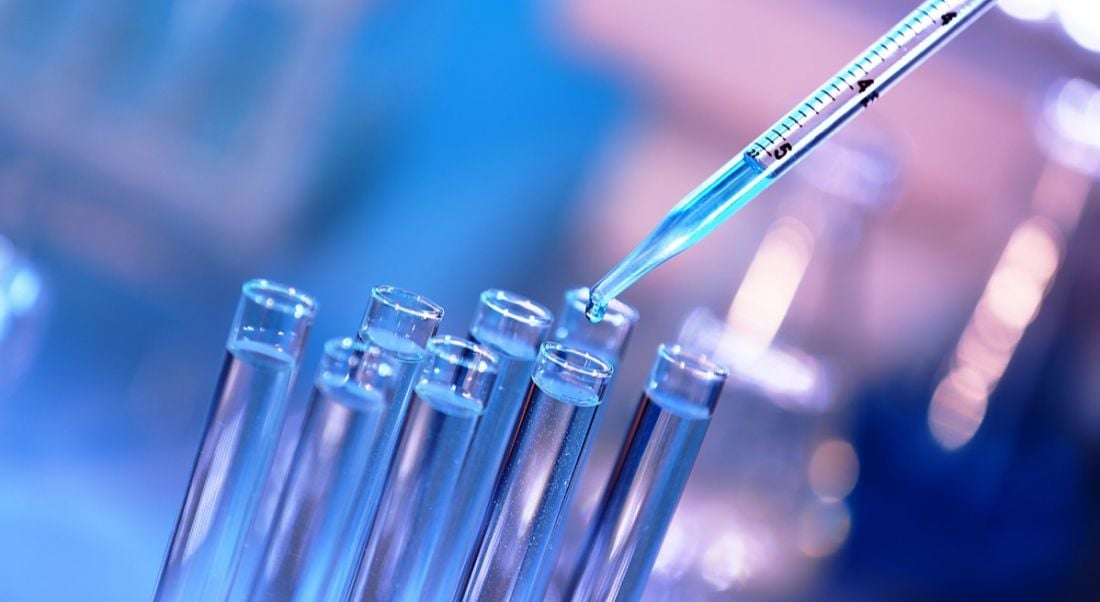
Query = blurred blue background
x=154 y=155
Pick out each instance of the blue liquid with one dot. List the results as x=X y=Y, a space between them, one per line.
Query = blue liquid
x=534 y=490
x=739 y=181
x=320 y=496
x=470 y=502
x=236 y=454
x=716 y=199
x=649 y=477
x=418 y=494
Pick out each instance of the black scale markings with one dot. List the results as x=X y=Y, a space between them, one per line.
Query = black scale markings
x=853 y=77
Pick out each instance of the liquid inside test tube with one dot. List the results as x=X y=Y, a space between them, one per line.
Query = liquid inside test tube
x=649 y=477
x=263 y=353
x=444 y=412
x=402 y=322
x=355 y=384
x=513 y=327
x=566 y=389
x=607 y=340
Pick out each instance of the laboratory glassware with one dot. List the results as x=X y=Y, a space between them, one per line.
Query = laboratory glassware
x=760 y=510
x=795 y=315
x=766 y=159
x=403 y=323
x=356 y=383
x=606 y=339
x=512 y=327
x=263 y=354
x=539 y=474
x=446 y=407
x=649 y=477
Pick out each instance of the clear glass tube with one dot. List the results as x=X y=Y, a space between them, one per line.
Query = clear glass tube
x=263 y=353
x=649 y=477
x=402 y=322
x=752 y=496
x=444 y=412
x=567 y=386
x=356 y=383
x=606 y=339
x=513 y=327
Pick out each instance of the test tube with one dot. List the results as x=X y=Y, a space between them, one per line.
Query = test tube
x=567 y=387
x=263 y=353
x=444 y=412
x=355 y=385
x=607 y=340
x=512 y=327
x=649 y=476
x=403 y=323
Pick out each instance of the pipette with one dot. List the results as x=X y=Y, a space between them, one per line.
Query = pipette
x=759 y=165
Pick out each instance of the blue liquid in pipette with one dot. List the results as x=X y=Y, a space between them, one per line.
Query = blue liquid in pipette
x=229 y=473
x=842 y=97
x=737 y=183
x=534 y=488
x=418 y=494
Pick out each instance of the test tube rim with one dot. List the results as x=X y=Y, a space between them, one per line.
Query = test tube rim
x=618 y=312
x=279 y=297
x=487 y=360
x=692 y=361
x=556 y=353
x=406 y=301
x=506 y=302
